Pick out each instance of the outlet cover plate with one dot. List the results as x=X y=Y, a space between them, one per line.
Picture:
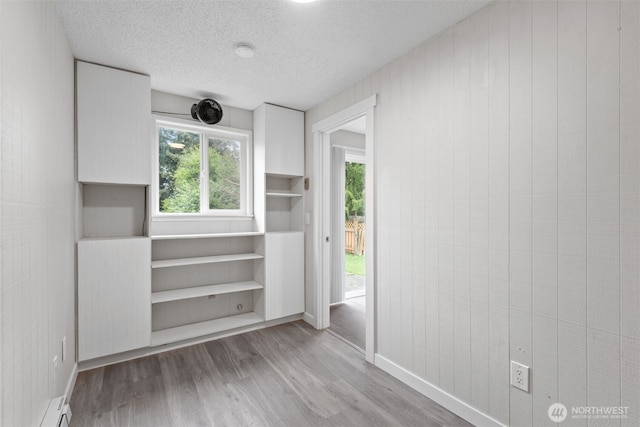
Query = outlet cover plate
x=520 y=376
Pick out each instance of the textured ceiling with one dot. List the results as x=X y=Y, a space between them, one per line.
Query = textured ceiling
x=305 y=53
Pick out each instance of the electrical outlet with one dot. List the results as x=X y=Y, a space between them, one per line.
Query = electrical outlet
x=64 y=348
x=520 y=376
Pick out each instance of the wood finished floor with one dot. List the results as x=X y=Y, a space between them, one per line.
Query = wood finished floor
x=288 y=375
x=348 y=320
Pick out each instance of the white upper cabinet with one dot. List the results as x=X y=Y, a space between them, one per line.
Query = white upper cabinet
x=114 y=125
x=281 y=132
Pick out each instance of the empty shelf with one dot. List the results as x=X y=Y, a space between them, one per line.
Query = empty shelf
x=203 y=260
x=193 y=330
x=205 y=236
x=282 y=193
x=201 y=291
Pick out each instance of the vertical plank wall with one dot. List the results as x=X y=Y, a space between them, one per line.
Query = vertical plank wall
x=508 y=207
x=37 y=201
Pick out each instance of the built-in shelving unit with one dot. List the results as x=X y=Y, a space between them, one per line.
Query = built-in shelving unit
x=177 y=262
x=194 y=330
x=201 y=291
x=284 y=203
x=204 y=284
x=206 y=236
x=114 y=250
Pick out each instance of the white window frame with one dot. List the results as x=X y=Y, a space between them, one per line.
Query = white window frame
x=246 y=169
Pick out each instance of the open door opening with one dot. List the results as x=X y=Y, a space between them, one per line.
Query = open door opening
x=348 y=232
x=323 y=132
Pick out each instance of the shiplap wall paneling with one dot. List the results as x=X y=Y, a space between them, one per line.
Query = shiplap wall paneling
x=113 y=123
x=37 y=192
x=418 y=209
x=385 y=231
x=560 y=169
x=603 y=206
x=544 y=163
x=405 y=188
x=630 y=210
x=520 y=204
x=478 y=158
x=394 y=198
x=572 y=226
x=430 y=100
x=114 y=296
x=284 y=274
x=446 y=213
x=461 y=184
x=498 y=193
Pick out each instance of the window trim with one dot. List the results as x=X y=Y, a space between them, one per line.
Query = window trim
x=246 y=170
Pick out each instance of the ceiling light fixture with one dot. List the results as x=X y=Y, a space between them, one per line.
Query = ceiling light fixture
x=245 y=50
x=303 y=1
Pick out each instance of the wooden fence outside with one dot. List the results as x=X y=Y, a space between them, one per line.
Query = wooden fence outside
x=354 y=234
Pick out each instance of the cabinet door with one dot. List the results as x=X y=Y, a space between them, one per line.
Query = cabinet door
x=284 y=284
x=114 y=296
x=114 y=125
x=284 y=141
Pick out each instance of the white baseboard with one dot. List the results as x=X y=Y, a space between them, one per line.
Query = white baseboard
x=71 y=383
x=310 y=319
x=450 y=402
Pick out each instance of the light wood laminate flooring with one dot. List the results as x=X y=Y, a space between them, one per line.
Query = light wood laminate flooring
x=287 y=375
x=348 y=320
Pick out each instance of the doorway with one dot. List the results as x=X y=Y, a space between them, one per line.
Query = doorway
x=348 y=232
x=322 y=243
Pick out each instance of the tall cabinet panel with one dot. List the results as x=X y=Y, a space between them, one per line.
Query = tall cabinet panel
x=284 y=274
x=279 y=136
x=283 y=133
x=113 y=114
x=114 y=277
x=114 y=253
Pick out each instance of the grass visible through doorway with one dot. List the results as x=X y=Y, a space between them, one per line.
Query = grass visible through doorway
x=354 y=264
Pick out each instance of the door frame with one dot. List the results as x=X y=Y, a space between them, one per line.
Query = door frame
x=321 y=228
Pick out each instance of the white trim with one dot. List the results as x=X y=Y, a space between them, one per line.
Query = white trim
x=450 y=402
x=71 y=383
x=245 y=137
x=309 y=318
x=321 y=252
x=338 y=119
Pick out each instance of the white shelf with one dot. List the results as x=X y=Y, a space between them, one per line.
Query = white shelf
x=179 y=333
x=204 y=260
x=281 y=193
x=201 y=291
x=94 y=239
x=206 y=236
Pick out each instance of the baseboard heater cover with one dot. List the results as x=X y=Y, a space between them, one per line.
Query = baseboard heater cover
x=58 y=414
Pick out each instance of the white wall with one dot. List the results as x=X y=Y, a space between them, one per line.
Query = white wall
x=507 y=170
x=37 y=200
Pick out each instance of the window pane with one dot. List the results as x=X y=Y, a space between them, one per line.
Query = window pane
x=179 y=171
x=224 y=173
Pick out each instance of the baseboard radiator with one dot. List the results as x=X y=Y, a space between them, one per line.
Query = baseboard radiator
x=58 y=414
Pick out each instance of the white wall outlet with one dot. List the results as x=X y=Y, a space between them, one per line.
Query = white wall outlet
x=520 y=376
x=64 y=348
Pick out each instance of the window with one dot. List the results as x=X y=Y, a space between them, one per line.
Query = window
x=202 y=170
